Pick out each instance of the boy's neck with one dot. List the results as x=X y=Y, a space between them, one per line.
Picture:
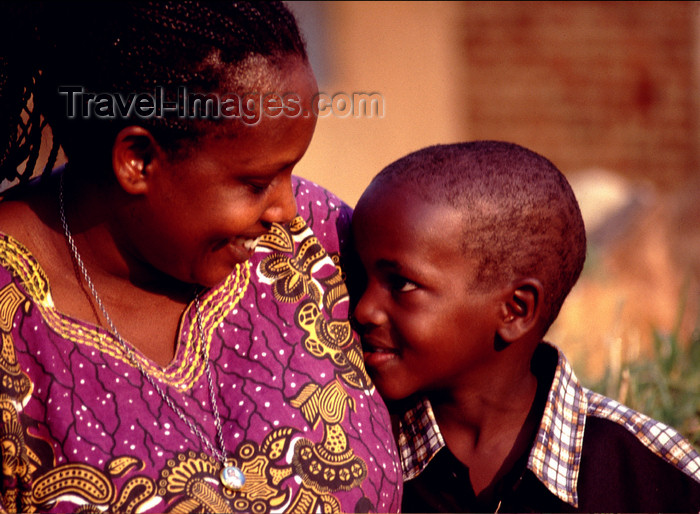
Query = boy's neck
x=490 y=428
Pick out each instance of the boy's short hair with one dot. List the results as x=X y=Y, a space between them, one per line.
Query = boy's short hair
x=521 y=216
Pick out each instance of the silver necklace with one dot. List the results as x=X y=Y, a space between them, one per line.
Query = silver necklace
x=231 y=476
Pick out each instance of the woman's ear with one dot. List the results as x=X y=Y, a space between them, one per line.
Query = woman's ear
x=522 y=306
x=134 y=157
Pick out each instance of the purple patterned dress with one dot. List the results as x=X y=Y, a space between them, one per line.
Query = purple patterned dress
x=83 y=431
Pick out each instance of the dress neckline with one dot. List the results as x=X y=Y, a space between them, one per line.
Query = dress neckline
x=186 y=365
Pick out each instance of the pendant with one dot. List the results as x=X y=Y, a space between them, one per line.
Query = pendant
x=232 y=478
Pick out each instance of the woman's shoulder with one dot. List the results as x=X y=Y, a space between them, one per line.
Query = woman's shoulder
x=23 y=236
x=23 y=214
x=19 y=269
x=324 y=212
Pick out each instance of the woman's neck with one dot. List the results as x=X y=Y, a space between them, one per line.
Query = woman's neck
x=96 y=215
x=145 y=305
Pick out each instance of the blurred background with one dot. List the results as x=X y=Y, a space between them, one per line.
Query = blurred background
x=609 y=91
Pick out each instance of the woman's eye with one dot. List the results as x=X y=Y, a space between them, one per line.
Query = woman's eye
x=258 y=187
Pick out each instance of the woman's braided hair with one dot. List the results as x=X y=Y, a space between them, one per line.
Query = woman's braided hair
x=121 y=47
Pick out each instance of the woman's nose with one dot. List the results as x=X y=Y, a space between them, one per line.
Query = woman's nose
x=282 y=206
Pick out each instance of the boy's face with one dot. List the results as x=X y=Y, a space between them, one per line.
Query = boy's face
x=424 y=326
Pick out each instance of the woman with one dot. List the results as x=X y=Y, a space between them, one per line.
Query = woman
x=175 y=336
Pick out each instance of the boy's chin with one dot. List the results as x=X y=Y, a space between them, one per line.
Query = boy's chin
x=397 y=407
x=390 y=393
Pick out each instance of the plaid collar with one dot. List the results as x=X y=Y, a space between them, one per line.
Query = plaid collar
x=555 y=456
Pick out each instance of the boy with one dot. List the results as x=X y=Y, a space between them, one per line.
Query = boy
x=469 y=251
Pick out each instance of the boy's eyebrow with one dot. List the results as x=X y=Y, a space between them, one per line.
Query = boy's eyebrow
x=412 y=272
x=388 y=263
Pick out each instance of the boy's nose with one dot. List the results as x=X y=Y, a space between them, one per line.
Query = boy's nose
x=282 y=207
x=367 y=311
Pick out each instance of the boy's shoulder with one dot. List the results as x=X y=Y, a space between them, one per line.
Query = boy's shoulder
x=590 y=452
x=656 y=437
x=614 y=458
x=635 y=460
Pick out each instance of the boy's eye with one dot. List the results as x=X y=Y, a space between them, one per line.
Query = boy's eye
x=402 y=285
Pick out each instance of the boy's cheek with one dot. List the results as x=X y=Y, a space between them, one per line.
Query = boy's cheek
x=355 y=277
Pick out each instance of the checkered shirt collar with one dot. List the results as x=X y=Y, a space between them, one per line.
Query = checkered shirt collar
x=555 y=456
x=419 y=438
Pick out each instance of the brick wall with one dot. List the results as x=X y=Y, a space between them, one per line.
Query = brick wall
x=588 y=84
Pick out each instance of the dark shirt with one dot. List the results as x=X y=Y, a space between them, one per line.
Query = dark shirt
x=590 y=453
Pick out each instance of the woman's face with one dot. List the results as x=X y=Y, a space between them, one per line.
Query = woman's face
x=204 y=212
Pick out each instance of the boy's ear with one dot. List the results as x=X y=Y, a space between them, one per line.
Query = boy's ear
x=135 y=153
x=521 y=309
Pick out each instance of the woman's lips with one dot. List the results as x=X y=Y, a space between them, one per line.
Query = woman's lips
x=241 y=247
x=247 y=242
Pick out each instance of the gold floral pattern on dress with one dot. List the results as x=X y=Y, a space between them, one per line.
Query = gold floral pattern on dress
x=335 y=287
x=308 y=500
x=193 y=477
x=14 y=381
x=262 y=492
x=18 y=461
x=330 y=465
x=134 y=493
x=73 y=480
x=333 y=340
x=122 y=465
x=15 y=257
x=278 y=239
x=291 y=276
x=95 y=487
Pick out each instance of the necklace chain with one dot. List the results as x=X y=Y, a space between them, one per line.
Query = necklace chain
x=219 y=454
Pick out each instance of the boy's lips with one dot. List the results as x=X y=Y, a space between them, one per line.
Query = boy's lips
x=377 y=353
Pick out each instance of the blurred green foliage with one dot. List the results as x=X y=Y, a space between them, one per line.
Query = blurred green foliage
x=665 y=386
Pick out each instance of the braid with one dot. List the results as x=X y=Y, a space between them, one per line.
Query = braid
x=123 y=47
x=22 y=126
x=21 y=123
